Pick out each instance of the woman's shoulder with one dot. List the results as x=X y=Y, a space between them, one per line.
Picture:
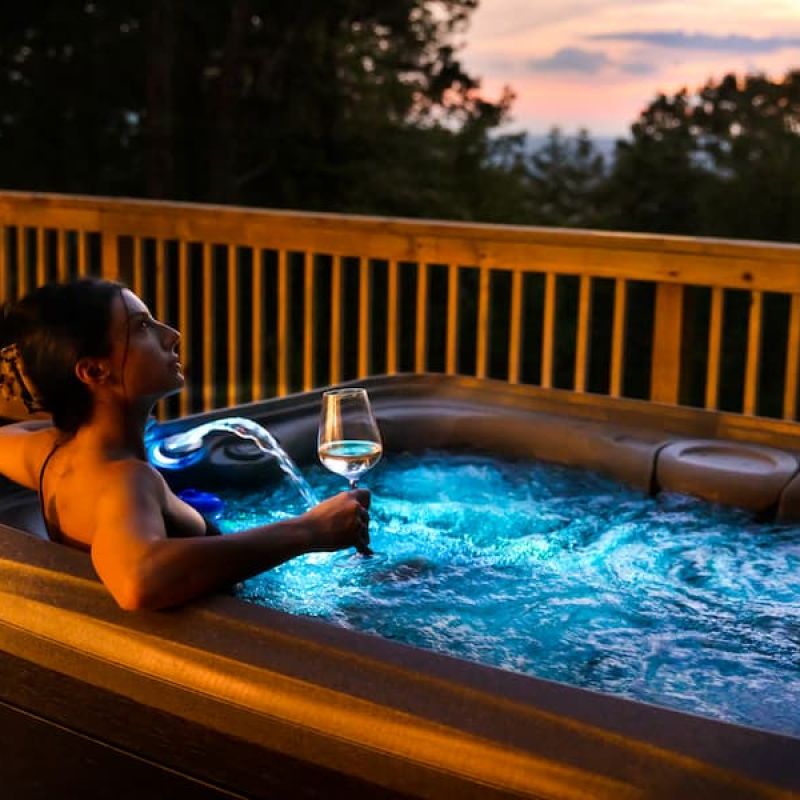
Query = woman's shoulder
x=23 y=448
x=136 y=475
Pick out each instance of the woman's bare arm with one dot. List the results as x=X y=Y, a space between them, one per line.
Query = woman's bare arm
x=142 y=568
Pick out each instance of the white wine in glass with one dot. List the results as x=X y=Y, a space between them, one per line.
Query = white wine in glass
x=349 y=441
x=350 y=458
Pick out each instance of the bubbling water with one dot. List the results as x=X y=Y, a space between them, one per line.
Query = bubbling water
x=561 y=574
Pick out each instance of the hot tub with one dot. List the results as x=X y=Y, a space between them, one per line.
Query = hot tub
x=223 y=698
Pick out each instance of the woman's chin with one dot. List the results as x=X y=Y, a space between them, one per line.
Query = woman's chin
x=176 y=386
x=181 y=382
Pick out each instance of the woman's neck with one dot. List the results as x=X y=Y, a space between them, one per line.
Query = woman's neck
x=115 y=430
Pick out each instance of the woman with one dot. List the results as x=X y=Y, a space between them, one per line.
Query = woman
x=98 y=362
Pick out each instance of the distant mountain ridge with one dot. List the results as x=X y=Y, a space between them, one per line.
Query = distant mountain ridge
x=605 y=145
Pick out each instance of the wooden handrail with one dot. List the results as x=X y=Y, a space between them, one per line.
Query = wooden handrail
x=668 y=259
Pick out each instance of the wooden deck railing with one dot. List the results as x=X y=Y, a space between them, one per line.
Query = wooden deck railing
x=271 y=302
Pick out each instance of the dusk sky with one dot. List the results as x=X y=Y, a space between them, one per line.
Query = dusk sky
x=597 y=63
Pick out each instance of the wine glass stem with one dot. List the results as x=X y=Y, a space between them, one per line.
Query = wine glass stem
x=366 y=550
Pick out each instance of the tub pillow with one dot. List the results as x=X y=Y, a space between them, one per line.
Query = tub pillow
x=19 y=399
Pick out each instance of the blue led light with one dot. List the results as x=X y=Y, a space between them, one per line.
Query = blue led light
x=208 y=504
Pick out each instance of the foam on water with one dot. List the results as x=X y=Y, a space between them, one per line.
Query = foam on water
x=561 y=574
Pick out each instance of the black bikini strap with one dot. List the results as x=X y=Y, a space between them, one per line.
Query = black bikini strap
x=57 y=537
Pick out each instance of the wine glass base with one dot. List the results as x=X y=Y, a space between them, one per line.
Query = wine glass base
x=352 y=559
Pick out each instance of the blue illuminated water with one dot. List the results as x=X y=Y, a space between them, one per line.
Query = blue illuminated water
x=561 y=574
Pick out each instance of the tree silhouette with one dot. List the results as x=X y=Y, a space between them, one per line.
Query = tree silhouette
x=345 y=105
x=724 y=161
x=566 y=176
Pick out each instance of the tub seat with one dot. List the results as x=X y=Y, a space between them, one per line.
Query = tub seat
x=733 y=473
x=19 y=509
x=789 y=503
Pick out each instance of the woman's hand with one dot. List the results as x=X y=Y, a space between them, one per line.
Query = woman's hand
x=341 y=521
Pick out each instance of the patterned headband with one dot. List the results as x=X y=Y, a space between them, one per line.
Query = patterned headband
x=16 y=388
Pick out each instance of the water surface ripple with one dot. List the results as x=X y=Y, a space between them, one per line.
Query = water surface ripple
x=562 y=574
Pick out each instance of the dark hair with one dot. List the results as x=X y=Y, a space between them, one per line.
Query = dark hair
x=54 y=326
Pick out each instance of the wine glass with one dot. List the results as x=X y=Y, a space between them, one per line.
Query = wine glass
x=349 y=442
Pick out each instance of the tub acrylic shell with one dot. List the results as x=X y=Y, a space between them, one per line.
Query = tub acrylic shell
x=222 y=698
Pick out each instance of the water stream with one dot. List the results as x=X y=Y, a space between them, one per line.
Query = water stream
x=185 y=448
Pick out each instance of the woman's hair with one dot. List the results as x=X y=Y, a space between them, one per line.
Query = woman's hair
x=53 y=327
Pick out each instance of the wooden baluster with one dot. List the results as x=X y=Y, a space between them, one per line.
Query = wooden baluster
x=23 y=286
x=209 y=376
x=364 y=294
x=392 y=302
x=162 y=280
x=109 y=266
x=618 y=337
x=421 y=337
x=308 y=322
x=714 y=349
x=283 y=324
x=335 y=371
x=548 y=330
x=83 y=261
x=41 y=258
x=137 y=275
x=184 y=323
x=753 y=361
x=257 y=332
x=482 y=333
x=62 y=269
x=161 y=300
x=232 y=268
x=452 y=319
x=515 y=328
x=792 y=356
x=582 y=354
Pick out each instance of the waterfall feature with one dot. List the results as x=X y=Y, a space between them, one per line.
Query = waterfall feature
x=183 y=449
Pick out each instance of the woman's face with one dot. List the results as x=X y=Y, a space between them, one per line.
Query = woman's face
x=144 y=350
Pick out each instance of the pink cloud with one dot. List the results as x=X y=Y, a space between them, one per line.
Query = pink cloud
x=581 y=63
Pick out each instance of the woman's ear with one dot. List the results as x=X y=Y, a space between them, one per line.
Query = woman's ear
x=92 y=371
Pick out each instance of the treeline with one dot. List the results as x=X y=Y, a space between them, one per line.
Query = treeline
x=721 y=161
x=363 y=106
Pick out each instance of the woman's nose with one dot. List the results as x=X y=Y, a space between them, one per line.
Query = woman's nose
x=171 y=335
